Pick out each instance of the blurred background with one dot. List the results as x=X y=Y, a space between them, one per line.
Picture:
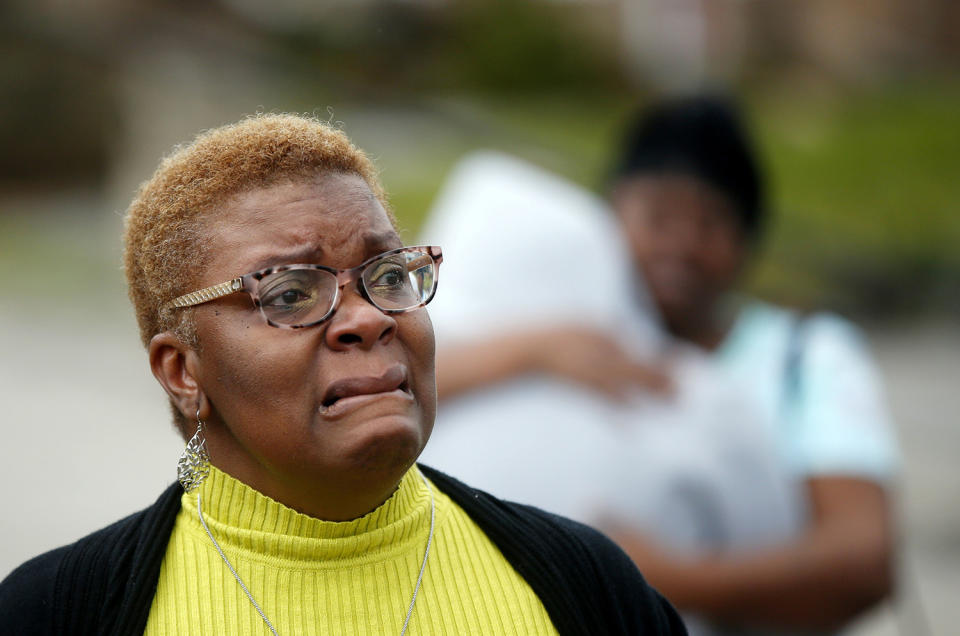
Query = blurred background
x=855 y=105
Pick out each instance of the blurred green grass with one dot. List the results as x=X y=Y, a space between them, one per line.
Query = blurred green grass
x=60 y=255
x=865 y=195
x=863 y=187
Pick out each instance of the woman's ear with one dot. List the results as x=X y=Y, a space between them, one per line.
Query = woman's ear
x=174 y=365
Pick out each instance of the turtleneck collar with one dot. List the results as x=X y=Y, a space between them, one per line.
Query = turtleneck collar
x=247 y=520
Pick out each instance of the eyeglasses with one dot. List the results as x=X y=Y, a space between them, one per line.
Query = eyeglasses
x=298 y=296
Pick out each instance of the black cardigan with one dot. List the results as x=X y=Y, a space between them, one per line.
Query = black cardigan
x=105 y=582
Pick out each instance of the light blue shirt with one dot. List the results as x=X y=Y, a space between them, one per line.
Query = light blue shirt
x=826 y=405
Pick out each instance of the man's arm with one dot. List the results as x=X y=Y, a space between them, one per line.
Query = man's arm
x=577 y=354
x=839 y=567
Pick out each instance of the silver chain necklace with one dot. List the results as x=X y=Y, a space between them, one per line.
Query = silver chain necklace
x=416 y=590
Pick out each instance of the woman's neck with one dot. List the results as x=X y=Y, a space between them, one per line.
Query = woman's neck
x=322 y=497
x=242 y=516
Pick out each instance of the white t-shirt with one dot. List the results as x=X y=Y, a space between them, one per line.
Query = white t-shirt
x=523 y=249
x=714 y=468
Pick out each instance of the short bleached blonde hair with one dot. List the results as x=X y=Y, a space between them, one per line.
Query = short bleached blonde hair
x=165 y=231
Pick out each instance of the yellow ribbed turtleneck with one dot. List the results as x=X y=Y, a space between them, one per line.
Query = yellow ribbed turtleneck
x=323 y=577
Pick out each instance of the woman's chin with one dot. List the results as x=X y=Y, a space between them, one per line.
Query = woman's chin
x=387 y=444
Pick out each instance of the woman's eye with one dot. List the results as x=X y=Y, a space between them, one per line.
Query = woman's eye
x=292 y=296
x=287 y=293
x=392 y=276
x=285 y=297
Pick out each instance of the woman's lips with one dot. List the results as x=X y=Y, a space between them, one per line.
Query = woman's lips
x=349 y=394
x=347 y=405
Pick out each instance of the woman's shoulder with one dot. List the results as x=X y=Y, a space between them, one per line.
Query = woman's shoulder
x=40 y=572
x=74 y=585
x=584 y=580
x=26 y=594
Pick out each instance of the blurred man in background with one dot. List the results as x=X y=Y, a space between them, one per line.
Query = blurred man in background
x=749 y=475
x=551 y=380
x=689 y=195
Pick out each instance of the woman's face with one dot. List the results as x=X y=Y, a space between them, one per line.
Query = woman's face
x=271 y=422
x=686 y=240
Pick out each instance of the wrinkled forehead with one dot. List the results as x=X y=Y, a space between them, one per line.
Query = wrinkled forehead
x=332 y=220
x=330 y=192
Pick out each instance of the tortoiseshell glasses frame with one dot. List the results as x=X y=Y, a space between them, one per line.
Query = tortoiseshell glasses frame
x=303 y=295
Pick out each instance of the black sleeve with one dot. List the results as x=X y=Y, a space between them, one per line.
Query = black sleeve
x=585 y=582
x=26 y=595
x=102 y=584
x=636 y=607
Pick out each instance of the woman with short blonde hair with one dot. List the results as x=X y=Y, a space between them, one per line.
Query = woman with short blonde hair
x=285 y=320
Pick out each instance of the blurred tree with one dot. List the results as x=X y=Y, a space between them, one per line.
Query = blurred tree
x=57 y=115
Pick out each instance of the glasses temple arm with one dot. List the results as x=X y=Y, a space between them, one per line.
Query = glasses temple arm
x=206 y=294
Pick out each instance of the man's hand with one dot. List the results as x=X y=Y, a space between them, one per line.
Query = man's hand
x=594 y=360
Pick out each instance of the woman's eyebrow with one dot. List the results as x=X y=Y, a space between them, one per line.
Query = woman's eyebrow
x=304 y=254
x=382 y=240
x=373 y=241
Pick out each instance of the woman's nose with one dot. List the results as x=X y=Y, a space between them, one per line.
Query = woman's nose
x=358 y=323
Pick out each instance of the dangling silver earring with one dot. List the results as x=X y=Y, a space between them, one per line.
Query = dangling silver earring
x=194 y=464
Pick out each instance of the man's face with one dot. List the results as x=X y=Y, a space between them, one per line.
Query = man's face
x=685 y=239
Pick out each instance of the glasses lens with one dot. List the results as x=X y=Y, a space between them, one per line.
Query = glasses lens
x=297 y=296
x=400 y=281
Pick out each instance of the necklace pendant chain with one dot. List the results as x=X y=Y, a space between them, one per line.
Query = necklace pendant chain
x=416 y=589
